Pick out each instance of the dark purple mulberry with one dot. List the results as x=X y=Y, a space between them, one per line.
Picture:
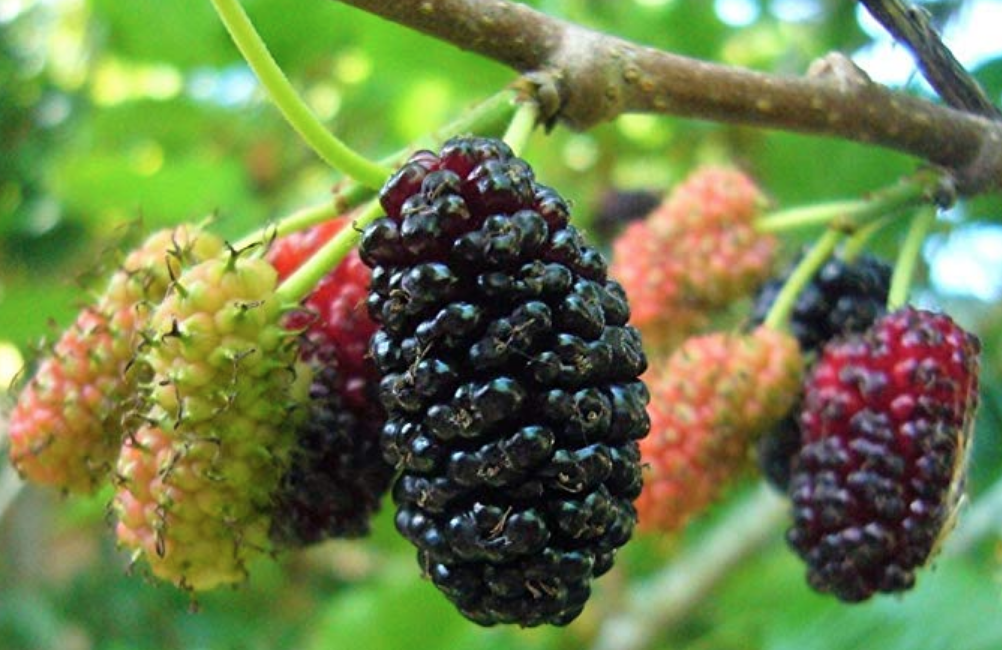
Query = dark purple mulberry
x=886 y=426
x=510 y=378
x=337 y=476
x=843 y=297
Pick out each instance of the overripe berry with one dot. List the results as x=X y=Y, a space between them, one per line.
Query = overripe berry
x=696 y=252
x=196 y=480
x=843 y=297
x=337 y=475
x=510 y=380
x=885 y=429
x=67 y=425
x=709 y=402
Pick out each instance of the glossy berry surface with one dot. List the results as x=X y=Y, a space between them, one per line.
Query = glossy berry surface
x=886 y=424
x=510 y=377
x=337 y=475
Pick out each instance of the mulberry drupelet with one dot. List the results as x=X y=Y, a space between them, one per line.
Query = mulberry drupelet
x=510 y=377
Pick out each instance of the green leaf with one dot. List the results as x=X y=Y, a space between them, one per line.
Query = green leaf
x=108 y=188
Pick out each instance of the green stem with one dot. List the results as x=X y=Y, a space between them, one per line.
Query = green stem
x=848 y=216
x=334 y=152
x=904 y=269
x=299 y=285
x=525 y=120
x=855 y=245
x=802 y=217
x=298 y=220
x=489 y=117
x=779 y=314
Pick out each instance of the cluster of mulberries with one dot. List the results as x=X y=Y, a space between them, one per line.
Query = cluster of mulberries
x=230 y=422
x=69 y=420
x=710 y=401
x=885 y=430
x=873 y=458
x=485 y=370
x=696 y=252
x=510 y=377
x=337 y=476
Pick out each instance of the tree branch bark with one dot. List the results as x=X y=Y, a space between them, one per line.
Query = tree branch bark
x=599 y=77
x=911 y=25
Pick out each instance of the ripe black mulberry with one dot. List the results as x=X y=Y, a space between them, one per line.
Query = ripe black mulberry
x=510 y=377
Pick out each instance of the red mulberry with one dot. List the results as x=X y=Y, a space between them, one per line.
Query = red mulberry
x=885 y=428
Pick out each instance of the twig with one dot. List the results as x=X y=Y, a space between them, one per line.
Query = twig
x=331 y=149
x=910 y=26
x=659 y=603
x=598 y=77
x=908 y=257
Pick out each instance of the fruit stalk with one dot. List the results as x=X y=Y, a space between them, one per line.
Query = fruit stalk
x=779 y=315
x=332 y=150
x=904 y=269
x=521 y=127
x=298 y=285
x=855 y=245
x=850 y=216
x=488 y=117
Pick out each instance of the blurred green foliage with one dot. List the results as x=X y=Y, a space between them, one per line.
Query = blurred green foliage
x=115 y=112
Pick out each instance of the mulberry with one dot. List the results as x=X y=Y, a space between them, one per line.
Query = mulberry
x=67 y=426
x=886 y=426
x=696 y=252
x=198 y=477
x=337 y=476
x=844 y=297
x=709 y=402
x=510 y=377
